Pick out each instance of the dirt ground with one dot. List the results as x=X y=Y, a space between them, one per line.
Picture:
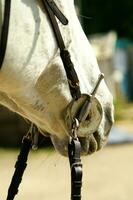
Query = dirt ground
x=108 y=175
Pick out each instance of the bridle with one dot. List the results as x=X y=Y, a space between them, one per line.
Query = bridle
x=74 y=147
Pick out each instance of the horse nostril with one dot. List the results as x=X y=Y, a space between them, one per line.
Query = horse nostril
x=98 y=140
x=109 y=115
x=109 y=119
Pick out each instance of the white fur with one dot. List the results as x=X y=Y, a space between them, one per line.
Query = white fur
x=32 y=79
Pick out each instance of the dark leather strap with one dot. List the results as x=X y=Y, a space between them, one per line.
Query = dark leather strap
x=57 y=12
x=64 y=53
x=54 y=24
x=4 y=31
x=74 y=149
x=20 y=167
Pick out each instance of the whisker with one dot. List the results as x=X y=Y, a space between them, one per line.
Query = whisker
x=85 y=17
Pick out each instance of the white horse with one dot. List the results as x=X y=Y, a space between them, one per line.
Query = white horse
x=33 y=81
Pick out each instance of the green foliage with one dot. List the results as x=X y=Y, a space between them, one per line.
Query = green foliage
x=123 y=110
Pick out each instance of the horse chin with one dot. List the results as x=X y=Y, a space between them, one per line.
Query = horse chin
x=89 y=145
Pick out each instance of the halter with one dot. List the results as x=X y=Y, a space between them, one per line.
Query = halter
x=74 y=147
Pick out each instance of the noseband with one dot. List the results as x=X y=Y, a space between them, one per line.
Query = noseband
x=74 y=146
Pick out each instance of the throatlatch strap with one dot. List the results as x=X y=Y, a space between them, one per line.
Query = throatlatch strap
x=19 y=168
x=4 y=31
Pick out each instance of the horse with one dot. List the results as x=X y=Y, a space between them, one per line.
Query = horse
x=33 y=81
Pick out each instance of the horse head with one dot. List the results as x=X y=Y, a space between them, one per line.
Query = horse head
x=33 y=81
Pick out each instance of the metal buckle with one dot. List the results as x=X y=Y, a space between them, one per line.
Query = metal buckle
x=75 y=126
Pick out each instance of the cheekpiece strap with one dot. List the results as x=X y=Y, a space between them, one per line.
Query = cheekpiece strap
x=61 y=17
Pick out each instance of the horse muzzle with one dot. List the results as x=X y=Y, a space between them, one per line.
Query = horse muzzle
x=86 y=120
x=88 y=112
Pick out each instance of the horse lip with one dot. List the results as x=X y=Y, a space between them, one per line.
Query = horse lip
x=88 y=145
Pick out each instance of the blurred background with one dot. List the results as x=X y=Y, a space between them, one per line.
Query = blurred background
x=108 y=26
x=108 y=173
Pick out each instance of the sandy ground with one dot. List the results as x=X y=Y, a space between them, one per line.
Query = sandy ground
x=108 y=175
